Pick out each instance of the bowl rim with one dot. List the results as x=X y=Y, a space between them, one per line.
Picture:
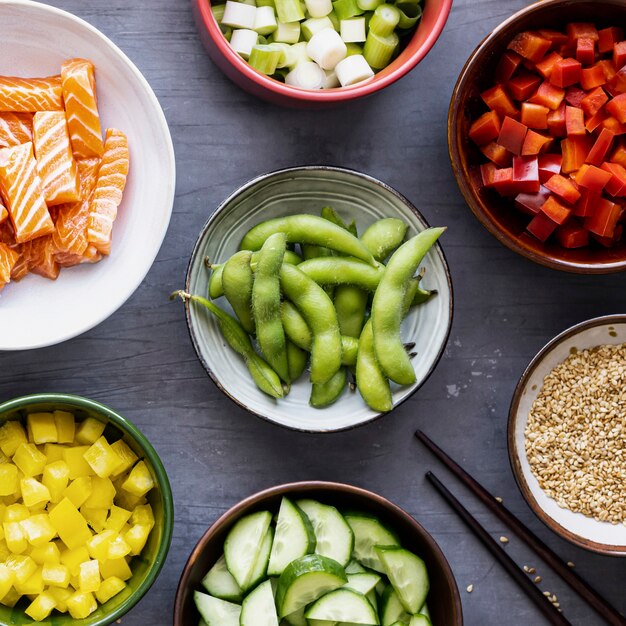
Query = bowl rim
x=167 y=156
x=163 y=482
x=342 y=94
x=514 y=454
x=455 y=150
x=291 y=170
x=313 y=485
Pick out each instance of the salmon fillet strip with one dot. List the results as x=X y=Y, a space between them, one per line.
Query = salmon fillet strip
x=15 y=128
x=8 y=259
x=28 y=95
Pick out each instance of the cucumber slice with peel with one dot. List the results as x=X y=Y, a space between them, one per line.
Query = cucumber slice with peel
x=259 y=571
x=407 y=574
x=243 y=545
x=216 y=612
x=343 y=605
x=391 y=609
x=354 y=567
x=294 y=537
x=371 y=596
x=369 y=531
x=334 y=538
x=425 y=611
x=305 y=580
x=420 y=620
x=296 y=619
x=258 y=609
x=220 y=583
x=363 y=583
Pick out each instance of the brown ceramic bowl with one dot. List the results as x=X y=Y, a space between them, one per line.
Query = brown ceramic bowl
x=495 y=213
x=444 y=601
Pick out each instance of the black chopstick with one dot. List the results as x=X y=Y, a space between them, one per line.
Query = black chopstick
x=554 y=616
x=606 y=610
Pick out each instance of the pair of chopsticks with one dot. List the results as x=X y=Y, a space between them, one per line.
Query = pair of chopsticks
x=608 y=612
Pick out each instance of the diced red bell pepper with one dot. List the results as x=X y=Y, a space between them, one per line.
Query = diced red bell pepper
x=607 y=68
x=603 y=220
x=568 y=50
x=610 y=242
x=507 y=66
x=594 y=101
x=500 y=179
x=582 y=30
x=526 y=174
x=565 y=188
x=614 y=126
x=497 y=154
x=592 y=177
x=587 y=203
x=485 y=129
x=602 y=146
x=608 y=37
x=546 y=65
x=523 y=85
x=617 y=184
x=534 y=143
x=619 y=54
x=617 y=108
x=534 y=116
x=530 y=45
x=499 y=101
x=531 y=203
x=565 y=73
x=619 y=154
x=585 y=51
x=541 y=226
x=512 y=135
x=556 y=37
x=592 y=77
x=548 y=95
x=575 y=121
x=556 y=210
x=549 y=165
x=575 y=150
x=596 y=121
x=572 y=235
x=556 y=122
x=617 y=84
x=574 y=97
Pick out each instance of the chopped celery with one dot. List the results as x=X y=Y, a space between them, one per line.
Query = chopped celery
x=288 y=32
x=315 y=25
x=409 y=14
x=265 y=58
x=353 y=29
x=289 y=11
x=378 y=50
x=346 y=8
x=385 y=19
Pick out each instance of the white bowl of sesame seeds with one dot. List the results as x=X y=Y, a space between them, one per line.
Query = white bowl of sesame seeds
x=567 y=434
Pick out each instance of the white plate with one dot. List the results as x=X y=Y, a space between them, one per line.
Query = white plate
x=586 y=532
x=37 y=312
x=307 y=190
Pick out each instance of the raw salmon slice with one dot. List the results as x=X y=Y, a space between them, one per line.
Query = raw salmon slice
x=8 y=259
x=27 y=95
x=81 y=107
x=67 y=259
x=15 y=128
x=55 y=162
x=109 y=188
x=21 y=189
x=3 y=213
x=71 y=222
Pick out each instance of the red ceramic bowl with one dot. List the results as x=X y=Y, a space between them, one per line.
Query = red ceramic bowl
x=429 y=28
x=495 y=213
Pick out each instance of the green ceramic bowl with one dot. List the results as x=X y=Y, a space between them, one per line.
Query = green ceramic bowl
x=147 y=566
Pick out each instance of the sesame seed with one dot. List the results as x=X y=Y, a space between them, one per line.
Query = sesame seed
x=499 y=499
x=526 y=569
x=470 y=588
x=570 y=564
x=504 y=540
x=537 y=579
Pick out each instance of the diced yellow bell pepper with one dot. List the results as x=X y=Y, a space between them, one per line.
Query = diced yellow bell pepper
x=11 y=598
x=15 y=537
x=53 y=452
x=118 y=548
x=7 y=578
x=65 y=426
x=41 y=428
x=16 y=512
x=117 y=518
x=74 y=457
x=70 y=524
x=136 y=538
x=56 y=476
x=56 y=575
x=89 y=576
x=22 y=566
x=46 y=554
x=89 y=430
x=96 y=518
x=34 y=492
x=78 y=490
x=41 y=607
x=12 y=435
x=73 y=558
x=32 y=586
x=102 y=458
x=3 y=457
x=61 y=596
x=128 y=457
x=139 y=481
x=9 y=480
x=39 y=531
x=116 y=567
x=143 y=514
x=109 y=588
x=29 y=459
x=81 y=605
x=102 y=494
x=128 y=500
x=98 y=545
x=4 y=550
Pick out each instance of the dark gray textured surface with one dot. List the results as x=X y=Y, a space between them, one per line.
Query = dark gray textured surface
x=141 y=361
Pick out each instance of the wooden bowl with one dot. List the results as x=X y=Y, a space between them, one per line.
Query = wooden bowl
x=444 y=601
x=495 y=213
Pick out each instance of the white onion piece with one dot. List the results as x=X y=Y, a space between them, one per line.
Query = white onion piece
x=239 y=15
x=307 y=75
x=243 y=40
x=318 y=8
x=327 y=48
x=331 y=79
x=352 y=70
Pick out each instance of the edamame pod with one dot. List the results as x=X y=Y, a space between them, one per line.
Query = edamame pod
x=387 y=306
x=237 y=279
x=350 y=304
x=343 y=271
x=329 y=392
x=307 y=229
x=370 y=380
x=297 y=359
x=328 y=213
x=319 y=313
x=266 y=304
x=384 y=236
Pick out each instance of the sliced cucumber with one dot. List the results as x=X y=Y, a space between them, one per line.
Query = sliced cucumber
x=259 y=571
x=243 y=545
x=294 y=537
x=220 y=583
x=371 y=596
x=297 y=618
x=425 y=611
x=354 y=567
x=363 y=583
x=202 y=623
x=322 y=622
x=258 y=609
x=391 y=609
x=216 y=612
x=369 y=532
x=343 y=605
x=407 y=573
x=420 y=620
x=334 y=538
x=381 y=586
x=305 y=580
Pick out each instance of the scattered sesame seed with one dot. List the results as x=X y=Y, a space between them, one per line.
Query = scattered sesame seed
x=570 y=564
x=470 y=588
x=546 y=594
x=499 y=499
x=504 y=540
x=532 y=570
x=526 y=569
x=537 y=579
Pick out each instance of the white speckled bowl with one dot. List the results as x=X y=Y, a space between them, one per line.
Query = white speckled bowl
x=307 y=190
x=602 y=537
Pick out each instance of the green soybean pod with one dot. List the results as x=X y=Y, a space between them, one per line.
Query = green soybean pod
x=384 y=236
x=343 y=271
x=266 y=304
x=237 y=280
x=297 y=359
x=325 y=394
x=350 y=304
x=328 y=213
x=319 y=313
x=387 y=306
x=370 y=380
